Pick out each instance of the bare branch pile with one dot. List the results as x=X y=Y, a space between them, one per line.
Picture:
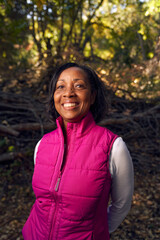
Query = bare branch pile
x=23 y=121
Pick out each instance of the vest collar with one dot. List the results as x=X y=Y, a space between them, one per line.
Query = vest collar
x=80 y=128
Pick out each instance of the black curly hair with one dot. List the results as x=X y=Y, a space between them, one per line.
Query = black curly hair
x=98 y=109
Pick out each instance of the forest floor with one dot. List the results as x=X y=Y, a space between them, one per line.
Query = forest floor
x=140 y=134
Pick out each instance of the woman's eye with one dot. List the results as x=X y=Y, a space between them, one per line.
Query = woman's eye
x=60 y=87
x=80 y=86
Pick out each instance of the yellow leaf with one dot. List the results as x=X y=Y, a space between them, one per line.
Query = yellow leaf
x=4 y=54
x=11 y=148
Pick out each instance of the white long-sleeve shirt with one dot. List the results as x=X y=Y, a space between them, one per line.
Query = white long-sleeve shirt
x=121 y=169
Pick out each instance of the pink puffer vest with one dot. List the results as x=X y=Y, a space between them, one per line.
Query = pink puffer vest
x=71 y=202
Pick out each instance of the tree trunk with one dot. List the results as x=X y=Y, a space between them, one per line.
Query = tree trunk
x=142 y=46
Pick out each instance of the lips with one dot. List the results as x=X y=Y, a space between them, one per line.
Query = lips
x=70 y=105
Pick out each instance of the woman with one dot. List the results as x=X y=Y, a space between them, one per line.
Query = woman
x=78 y=165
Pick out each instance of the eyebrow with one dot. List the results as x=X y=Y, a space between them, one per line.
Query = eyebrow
x=76 y=79
x=60 y=80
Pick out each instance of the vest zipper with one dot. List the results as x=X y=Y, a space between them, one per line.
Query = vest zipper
x=57 y=183
x=55 y=198
x=53 y=219
x=56 y=188
x=60 y=174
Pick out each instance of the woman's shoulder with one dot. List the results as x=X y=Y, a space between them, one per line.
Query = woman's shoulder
x=105 y=131
x=51 y=136
x=47 y=139
x=103 y=136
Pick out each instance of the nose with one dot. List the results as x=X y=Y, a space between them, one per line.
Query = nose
x=69 y=92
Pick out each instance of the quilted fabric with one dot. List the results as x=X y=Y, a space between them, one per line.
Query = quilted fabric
x=71 y=185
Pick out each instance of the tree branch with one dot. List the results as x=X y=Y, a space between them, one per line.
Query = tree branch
x=9 y=156
x=5 y=130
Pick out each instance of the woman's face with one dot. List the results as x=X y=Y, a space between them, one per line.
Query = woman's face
x=73 y=96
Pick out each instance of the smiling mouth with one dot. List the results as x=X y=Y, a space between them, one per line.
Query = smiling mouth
x=70 y=105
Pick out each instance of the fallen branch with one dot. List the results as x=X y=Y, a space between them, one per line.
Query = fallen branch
x=131 y=118
x=9 y=156
x=15 y=106
x=8 y=130
x=149 y=111
x=111 y=121
x=32 y=126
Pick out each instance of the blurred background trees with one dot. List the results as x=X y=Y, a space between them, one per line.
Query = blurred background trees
x=119 y=30
x=117 y=33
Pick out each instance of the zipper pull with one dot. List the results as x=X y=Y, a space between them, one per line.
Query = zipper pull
x=57 y=183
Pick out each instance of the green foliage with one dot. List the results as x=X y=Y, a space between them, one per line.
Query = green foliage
x=13 y=30
x=119 y=31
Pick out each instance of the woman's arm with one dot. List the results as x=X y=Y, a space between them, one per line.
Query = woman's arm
x=121 y=169
x=35 y=151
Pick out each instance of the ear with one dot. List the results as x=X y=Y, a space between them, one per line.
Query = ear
x=93 y=97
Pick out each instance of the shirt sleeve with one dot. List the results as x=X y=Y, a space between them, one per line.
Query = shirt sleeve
x=121 y=169
x=35 y=151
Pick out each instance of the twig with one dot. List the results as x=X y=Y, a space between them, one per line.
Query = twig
x=9 y=156
x=8 y=130
x=32 y=126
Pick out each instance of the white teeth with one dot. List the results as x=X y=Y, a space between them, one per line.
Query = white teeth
x=69 y=104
